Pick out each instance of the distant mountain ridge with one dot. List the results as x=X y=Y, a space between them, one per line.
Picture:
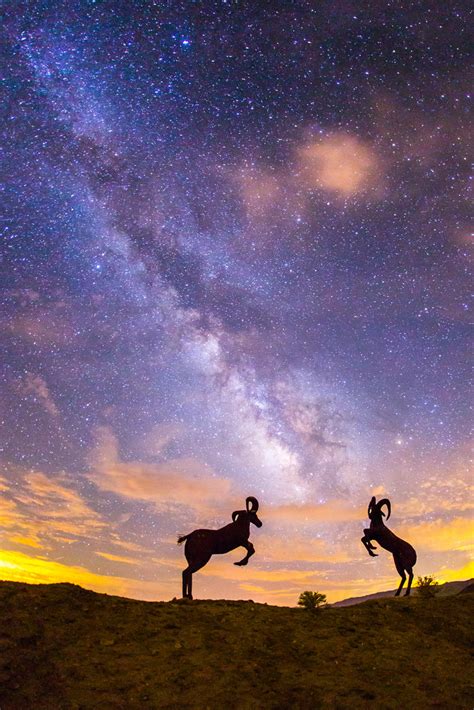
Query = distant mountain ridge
x=445 y=590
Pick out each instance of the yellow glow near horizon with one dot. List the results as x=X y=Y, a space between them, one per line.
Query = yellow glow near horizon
x=19 y=567
x=48 y=526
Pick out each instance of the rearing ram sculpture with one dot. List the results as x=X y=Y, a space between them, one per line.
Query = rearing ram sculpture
x=202 y=544
x=404 y=555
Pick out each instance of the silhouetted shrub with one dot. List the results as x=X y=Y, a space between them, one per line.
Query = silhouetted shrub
x=427 y=587
x=312 y=601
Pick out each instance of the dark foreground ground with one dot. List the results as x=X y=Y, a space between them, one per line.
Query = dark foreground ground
x=64 y=647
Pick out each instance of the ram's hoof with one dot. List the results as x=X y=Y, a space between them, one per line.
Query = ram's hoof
x=372 y=554
x=242 y=563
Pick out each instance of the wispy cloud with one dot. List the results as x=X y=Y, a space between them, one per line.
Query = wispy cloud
x=53 y=504
x=41 y=511
x=36 y=387
x=119 y=558
x=26 y=541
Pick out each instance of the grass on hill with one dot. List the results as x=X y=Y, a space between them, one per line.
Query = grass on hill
x=64 y=647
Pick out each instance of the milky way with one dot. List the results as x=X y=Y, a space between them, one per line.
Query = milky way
x=234 y=262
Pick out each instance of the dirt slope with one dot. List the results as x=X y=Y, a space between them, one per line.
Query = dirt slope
x=64 y=647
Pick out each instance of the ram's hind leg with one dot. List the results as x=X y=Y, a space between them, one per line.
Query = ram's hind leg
x=401 y=572
x=187 y=583
x=194 y=566
x=250 y=551
x=410 y=580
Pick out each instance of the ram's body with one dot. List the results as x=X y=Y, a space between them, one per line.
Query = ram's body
x=201 y=544
x=217 y=542
x=392 y=543
x=404 y=555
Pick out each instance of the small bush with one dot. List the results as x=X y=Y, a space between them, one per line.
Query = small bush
x=312 y=600
x=427 y=587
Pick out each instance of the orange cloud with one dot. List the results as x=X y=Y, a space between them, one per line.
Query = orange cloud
x=181 y=482
x=338 y=163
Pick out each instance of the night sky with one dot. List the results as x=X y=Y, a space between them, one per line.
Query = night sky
x=234 y=261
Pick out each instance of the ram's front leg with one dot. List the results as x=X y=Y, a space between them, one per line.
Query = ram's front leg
x=367 y=544
x=250 y=551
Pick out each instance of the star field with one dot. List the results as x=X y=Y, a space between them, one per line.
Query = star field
x=234 y=261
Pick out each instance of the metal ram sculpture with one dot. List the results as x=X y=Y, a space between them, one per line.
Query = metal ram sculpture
x=202 y=544
x=404 y=555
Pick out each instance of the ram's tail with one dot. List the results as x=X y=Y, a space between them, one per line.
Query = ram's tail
x=182 y=539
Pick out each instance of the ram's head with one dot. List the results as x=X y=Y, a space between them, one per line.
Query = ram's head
x=250 y=512
x=375 y=510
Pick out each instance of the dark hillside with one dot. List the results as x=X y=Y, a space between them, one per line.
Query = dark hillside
x=64 y=647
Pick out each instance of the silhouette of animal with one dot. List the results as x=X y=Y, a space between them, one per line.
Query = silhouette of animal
x=404 y=555
x=202 y=544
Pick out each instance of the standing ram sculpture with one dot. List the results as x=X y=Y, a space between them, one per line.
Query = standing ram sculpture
x=202 y=544
x=404 y=555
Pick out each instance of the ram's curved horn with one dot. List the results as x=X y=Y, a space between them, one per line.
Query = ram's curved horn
x=251 y=504
x=235 y=515
x=371 y=505
x=385 y=501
